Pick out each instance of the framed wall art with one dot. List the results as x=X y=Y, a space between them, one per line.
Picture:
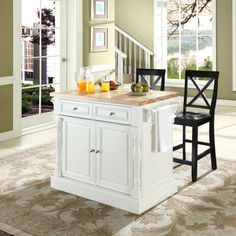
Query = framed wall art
x=99 y=9
x=99 y=39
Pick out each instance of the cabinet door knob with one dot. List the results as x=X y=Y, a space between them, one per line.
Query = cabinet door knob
x=112 y=113
x=97 y=152
x=75 y=108
x=92 y=150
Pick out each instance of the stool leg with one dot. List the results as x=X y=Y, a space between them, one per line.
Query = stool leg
x=194 y=152
x=184 y=146
x=212 y=145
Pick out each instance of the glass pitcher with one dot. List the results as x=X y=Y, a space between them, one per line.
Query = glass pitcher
x=85 y=80
x=81 y=79
x=90 y=87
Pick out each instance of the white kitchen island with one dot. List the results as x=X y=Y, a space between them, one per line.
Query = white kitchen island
x=104 y=148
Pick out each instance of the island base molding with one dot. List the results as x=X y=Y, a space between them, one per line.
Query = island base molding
x=113 y=198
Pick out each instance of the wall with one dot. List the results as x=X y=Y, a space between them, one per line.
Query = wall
x=6 y=106
x=138 y=21
x=136 y=18
x=224 y=49
x=98 y=58
x=6 y=65
x=6 y=39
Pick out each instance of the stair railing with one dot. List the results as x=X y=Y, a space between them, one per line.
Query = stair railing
x=120 y=60
x=131 y=54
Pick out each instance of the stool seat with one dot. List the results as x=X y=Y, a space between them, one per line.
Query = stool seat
x=191 y=118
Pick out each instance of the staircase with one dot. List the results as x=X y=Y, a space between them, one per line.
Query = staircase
x=130 y=54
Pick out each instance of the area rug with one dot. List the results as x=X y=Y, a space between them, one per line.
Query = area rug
x=28 y=206
x=26 y=168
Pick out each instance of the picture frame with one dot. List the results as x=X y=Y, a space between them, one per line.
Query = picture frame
x=99 y=9
x=99 y=39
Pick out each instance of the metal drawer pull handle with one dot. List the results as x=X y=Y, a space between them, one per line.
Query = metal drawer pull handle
x=92 y=150
x=112 y=113
x=75 y=108
x=97 y=152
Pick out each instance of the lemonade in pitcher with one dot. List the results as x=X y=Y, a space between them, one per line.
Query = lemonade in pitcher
x=85 y=81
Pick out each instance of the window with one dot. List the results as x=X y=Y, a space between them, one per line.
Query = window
x=190 y=36
x=40 y=55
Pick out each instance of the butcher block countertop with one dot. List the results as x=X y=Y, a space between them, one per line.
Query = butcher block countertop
x=119 y=96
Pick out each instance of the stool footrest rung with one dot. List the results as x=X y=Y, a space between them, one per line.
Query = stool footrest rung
x=203 y=154
x=177 y=147
x=181 y=161
x=199 y=142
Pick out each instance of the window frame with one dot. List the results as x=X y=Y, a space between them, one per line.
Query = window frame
x=42 y=120
x=161 y=54
x=41 y=57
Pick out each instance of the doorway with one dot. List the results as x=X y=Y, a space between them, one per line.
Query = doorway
x=43 y=67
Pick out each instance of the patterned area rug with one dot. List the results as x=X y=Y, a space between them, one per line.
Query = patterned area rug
x=28 y=206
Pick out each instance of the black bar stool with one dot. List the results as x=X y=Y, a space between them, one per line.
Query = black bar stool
x=160 y=73
x=194 y=120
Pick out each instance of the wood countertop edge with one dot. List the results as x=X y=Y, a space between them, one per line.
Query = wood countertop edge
x=68 y=96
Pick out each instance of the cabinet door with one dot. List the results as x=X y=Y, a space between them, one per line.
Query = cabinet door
x=77 y=158
x=113 y=159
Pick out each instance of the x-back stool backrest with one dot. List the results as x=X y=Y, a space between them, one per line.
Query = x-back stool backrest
x=210 y=77
x=158 y=73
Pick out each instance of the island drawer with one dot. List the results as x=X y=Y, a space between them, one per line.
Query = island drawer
x=77 y=109
x=112 y=113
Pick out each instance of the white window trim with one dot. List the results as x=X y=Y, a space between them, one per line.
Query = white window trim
x=160 y=41
x=160 y=34
x=74 y=40
x=234 y=43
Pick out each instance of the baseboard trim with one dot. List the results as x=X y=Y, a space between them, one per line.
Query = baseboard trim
x=38 y=128
x=112 y=198
x=228 y=103
x=9 y=135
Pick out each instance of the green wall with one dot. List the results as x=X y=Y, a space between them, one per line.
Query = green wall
x=6 y=106
x=6 y=64
x=138 y=21
x=103 y=57
x=136 y=18
x=6 y=39
x=224 y=49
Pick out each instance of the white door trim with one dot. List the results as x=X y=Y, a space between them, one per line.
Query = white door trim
x=17 y=68
x=15 y=79
x=74 y=40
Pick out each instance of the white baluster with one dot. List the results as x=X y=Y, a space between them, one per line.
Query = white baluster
x=125 y=51
x=130 y=57
x=135 y=61
x=140 y=56
x=120 y=41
